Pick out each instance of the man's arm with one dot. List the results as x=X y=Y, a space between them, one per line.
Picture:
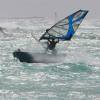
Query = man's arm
x=57 y=41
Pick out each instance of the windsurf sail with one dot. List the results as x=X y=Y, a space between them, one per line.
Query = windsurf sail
x=65 y=28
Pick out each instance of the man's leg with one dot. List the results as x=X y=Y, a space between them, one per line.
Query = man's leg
x=54 y=51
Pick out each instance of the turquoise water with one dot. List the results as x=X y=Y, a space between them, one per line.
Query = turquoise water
x=76 y=78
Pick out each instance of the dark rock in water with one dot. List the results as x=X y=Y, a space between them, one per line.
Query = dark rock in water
x=38 y=57
x=23 y=56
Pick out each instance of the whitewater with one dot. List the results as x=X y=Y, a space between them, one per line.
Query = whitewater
x=77 y=77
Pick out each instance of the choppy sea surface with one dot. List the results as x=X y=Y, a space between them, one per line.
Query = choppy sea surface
x=76 y=78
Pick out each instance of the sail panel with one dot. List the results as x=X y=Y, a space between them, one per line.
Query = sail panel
x=65 y=28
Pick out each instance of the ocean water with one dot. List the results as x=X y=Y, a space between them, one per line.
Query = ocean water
x=76 y=78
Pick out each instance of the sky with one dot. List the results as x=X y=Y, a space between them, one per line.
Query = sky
x=47 y=8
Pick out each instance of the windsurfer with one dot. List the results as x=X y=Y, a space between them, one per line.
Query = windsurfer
x=51 y=44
